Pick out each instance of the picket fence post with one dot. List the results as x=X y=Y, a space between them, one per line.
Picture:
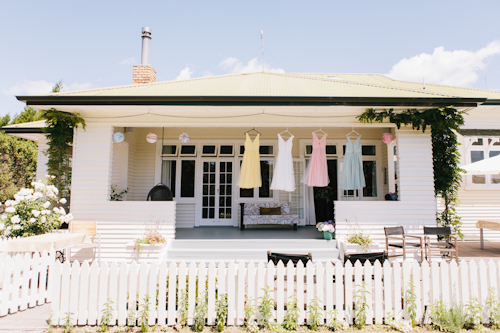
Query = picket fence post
x=83 y=289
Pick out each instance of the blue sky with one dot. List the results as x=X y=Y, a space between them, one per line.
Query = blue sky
x=90 y=44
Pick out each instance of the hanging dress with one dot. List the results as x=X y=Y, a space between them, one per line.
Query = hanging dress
x=316 y=173
x=250 y=176
x=283 y=176
x=353 y=177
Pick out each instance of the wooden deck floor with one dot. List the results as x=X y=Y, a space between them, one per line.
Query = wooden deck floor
x=473 y=250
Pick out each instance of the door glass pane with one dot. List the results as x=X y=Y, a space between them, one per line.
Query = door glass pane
x=266 y=171
x=168 y=175
x=208 y=196
x=297 y=196
x=225 y=190
x=370 y=171
x=187 y=179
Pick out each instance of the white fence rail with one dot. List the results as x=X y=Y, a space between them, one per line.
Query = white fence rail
x=24 y=281
x=83 y=290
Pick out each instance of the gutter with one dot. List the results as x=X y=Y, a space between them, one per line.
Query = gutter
x=21 y=130
x=250 y=101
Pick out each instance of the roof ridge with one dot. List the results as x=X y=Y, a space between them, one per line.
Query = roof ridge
x=376 y=86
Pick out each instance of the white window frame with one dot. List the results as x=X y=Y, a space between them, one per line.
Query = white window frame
x=209 y=155
x=256 y=198
x=225 y=155
x=188 y=155
x=170 y=155
x=486 y=147
x=262 y=143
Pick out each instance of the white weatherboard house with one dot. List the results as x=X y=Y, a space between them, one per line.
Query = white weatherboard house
x=216 y=111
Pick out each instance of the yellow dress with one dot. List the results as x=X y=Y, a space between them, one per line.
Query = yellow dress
x=250 y=167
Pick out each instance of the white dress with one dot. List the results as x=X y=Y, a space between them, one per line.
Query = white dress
x=283 y=175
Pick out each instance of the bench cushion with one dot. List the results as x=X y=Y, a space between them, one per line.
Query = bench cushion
x=254 y=208
x=271 y=219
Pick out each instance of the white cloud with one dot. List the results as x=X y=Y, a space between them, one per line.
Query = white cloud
x=457 y=68
x=129 y=61
x=234 y=65
x=42 y=87
x=30 y=87
x=185 y=74
x=78 y=86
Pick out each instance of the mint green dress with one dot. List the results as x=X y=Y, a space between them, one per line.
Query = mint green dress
x=353 y=177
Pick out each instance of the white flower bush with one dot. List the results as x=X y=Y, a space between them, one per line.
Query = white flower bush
x=400 y=325
x=325 y=226
x=29 y=213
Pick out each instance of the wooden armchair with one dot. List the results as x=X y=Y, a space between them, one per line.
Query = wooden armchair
x=445 y=247
x=395 y=238
x=90 y=229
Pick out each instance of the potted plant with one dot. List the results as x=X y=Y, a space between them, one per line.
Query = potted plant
x=391 y=196
x=327 y=228
x=152 y=240
x=357 y=242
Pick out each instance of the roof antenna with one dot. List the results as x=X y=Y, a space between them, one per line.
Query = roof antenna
x=262 y=38
x=423 y=81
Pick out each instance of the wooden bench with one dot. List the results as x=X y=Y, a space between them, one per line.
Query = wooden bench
x=267 y=213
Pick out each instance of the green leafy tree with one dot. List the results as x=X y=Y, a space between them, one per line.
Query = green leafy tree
x=28 y=115
x=18 y=159
x=444 y=123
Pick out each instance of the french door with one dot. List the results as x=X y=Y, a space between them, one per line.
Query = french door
x=217 y=193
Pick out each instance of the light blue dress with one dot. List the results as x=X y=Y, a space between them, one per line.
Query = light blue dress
x=353 y=177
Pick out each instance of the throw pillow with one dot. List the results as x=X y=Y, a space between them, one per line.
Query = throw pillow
x=270 y=211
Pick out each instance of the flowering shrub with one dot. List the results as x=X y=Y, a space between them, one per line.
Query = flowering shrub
x=152 y=237
x=400 y=325
x=31 y=213
x=326 y=226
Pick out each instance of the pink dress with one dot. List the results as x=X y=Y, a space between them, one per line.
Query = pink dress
x=316 y=173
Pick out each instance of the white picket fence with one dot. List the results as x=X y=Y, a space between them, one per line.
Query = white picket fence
x=24 y=281
x=83 y=290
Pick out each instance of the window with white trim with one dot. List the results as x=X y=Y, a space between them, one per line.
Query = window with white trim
x=266 y=172
x=480 y=149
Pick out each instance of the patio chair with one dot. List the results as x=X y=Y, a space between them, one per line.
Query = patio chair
x=395 y=238
x=90 y=229
x=285 y=258
x=447 y=246
x=363 y=257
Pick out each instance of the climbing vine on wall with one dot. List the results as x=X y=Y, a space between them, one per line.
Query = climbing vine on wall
x=59 y=131
x=444 y=123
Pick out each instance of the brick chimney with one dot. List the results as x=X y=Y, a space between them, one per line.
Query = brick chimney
x=144 y=73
